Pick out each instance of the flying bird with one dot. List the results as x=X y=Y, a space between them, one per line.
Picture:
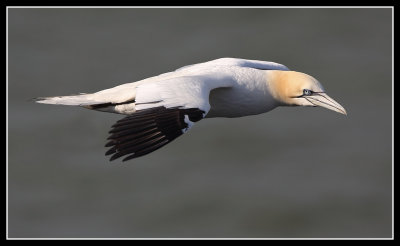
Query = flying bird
x=161 y=108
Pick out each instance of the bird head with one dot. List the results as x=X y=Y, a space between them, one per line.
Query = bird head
x=299 y=89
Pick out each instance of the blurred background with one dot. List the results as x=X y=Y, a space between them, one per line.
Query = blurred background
x=293 y=172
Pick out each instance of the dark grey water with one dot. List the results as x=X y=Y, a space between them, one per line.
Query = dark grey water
x=293 y=172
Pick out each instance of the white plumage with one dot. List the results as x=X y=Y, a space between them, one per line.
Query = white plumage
x=163 y=107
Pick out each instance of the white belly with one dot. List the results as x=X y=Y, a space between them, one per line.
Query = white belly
x=233 y=102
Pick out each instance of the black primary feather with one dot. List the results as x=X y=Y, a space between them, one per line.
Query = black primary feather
x=148 y=130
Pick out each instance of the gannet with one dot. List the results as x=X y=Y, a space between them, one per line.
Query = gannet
x=159 y=109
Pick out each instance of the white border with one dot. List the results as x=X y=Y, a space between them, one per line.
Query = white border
x=170 y=7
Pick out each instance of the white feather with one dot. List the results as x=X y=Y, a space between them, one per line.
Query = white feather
x=187 y=87
x=185 y=91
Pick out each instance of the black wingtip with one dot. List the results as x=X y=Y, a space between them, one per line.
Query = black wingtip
x=111 y=151
x=110 y=143
x=130 y=157
x=115 y=156
x=148 y=130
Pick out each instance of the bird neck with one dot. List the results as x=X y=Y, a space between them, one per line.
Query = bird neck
x=279 y=84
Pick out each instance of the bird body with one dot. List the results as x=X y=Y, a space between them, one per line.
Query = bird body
x=163 y=107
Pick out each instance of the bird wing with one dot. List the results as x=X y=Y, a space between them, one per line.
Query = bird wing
x=164 y=111
x=236 y=62
x=127 y=92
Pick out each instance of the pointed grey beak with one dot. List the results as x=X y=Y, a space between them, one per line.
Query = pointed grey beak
x=323 y=100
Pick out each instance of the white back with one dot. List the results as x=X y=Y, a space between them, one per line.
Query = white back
x=263 y=65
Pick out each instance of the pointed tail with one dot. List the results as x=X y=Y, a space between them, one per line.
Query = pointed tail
x=73 y=100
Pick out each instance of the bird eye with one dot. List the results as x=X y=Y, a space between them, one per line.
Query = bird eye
x=307 y=92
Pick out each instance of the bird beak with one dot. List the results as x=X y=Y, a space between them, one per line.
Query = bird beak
x=323 y=100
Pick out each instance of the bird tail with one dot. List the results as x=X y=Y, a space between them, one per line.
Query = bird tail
x=72 y=100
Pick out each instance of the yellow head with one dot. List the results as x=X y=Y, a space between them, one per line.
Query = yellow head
x=299 y=89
